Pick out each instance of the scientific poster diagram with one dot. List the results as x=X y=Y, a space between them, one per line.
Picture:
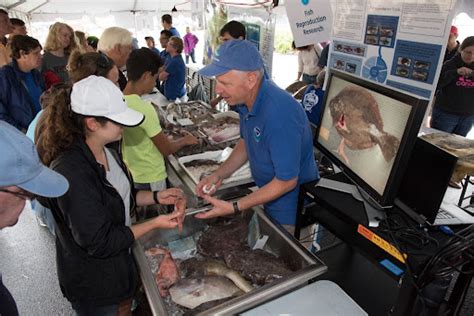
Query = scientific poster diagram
x=260 y=30
x=310 y=20
x=396 y=43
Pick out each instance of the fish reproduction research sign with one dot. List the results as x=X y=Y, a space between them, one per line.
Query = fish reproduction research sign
x=310 y=20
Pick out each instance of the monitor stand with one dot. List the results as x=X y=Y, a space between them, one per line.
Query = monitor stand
x=374 y=215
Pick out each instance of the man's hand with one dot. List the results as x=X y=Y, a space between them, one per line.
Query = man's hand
x=221 y=208
x=170 y=196
x=208 y=185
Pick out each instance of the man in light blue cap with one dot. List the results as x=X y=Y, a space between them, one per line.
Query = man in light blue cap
x=22 y=177
x=275 y=136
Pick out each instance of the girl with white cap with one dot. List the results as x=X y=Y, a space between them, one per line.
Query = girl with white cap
x=94 y=234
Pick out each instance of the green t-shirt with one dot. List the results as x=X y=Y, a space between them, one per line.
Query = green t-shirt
x=139 y=152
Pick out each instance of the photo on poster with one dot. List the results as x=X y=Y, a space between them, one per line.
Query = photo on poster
x=371 y=39
x=253 y=33
x=363 y=128
x=404 y=61
x=372 y=30
x=419 y=64
x=385 y=41
x=419 y=75
x=339 y=64
x=386 y=31
x=350 y=48
x=351 y=68
x=346 y=63
x=381 y=30
x=414 y=60
x=403 y=72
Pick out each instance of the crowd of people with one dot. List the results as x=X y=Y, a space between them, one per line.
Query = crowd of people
x=96 y=154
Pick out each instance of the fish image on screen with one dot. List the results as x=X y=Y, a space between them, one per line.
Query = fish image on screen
x=365 y=130
x=356 y=117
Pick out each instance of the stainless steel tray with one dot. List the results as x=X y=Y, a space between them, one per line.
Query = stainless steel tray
x=280 y=243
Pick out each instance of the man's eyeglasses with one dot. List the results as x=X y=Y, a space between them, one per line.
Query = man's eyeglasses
x=25 y=195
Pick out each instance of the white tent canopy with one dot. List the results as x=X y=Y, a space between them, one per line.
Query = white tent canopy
x=66 y=7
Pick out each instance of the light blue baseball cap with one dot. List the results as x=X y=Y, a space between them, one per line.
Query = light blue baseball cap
x=20 y=165
x=234 y=55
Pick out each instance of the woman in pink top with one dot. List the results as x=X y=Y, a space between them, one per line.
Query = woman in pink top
x=190 y=41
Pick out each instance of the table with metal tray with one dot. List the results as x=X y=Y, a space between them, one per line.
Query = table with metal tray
x=305 y=266
x=195 y=117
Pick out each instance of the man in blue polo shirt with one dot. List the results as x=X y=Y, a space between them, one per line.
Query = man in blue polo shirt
x=275 y=136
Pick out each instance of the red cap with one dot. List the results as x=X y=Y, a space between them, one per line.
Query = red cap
x=454 y=30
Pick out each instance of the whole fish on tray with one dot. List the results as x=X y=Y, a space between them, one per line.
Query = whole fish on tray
x=199 y=267
x=258 y=266
x=222 y=129
x=167 y=273
x=192 y=292
x=200 y=168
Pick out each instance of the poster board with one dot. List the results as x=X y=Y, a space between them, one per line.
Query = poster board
x=400 y=44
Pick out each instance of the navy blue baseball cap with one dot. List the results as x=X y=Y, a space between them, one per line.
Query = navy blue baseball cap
x=234 y=55
x=20 y=165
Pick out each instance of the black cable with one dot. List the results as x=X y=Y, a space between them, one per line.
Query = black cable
x=409 y=269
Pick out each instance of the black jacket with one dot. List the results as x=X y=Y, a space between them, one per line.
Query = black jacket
x=456 y=93
x=93 y=254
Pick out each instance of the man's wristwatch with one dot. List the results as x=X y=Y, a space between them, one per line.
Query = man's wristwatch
x=155 y=197
x=236 y=208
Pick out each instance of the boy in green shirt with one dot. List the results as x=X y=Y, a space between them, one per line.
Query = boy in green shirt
x=145 y=145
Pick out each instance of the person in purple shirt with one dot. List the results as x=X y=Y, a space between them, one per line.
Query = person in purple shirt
x=190 y=41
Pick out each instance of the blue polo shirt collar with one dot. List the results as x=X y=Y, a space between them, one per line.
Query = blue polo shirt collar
x=257 y=104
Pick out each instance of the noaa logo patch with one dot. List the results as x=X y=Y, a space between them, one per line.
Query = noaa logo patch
x=257 y=134
x=305 y=2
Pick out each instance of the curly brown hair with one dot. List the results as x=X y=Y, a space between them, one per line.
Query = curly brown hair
x=84 y=65
x=58 y=127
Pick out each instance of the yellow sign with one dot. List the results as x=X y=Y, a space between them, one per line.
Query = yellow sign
x=382 y=243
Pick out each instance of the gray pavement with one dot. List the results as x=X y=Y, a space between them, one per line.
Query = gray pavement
x=28 y=267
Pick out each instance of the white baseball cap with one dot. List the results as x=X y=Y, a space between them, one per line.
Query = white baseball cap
x=98 y=96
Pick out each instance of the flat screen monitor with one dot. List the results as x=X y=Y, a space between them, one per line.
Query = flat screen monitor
x=426 y=179
x=368 y=131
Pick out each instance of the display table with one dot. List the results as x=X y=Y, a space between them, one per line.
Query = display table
x=367 y=264
x=460 y=147
x=321 y=298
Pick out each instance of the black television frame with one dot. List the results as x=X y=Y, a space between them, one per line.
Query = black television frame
x=407 y=142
